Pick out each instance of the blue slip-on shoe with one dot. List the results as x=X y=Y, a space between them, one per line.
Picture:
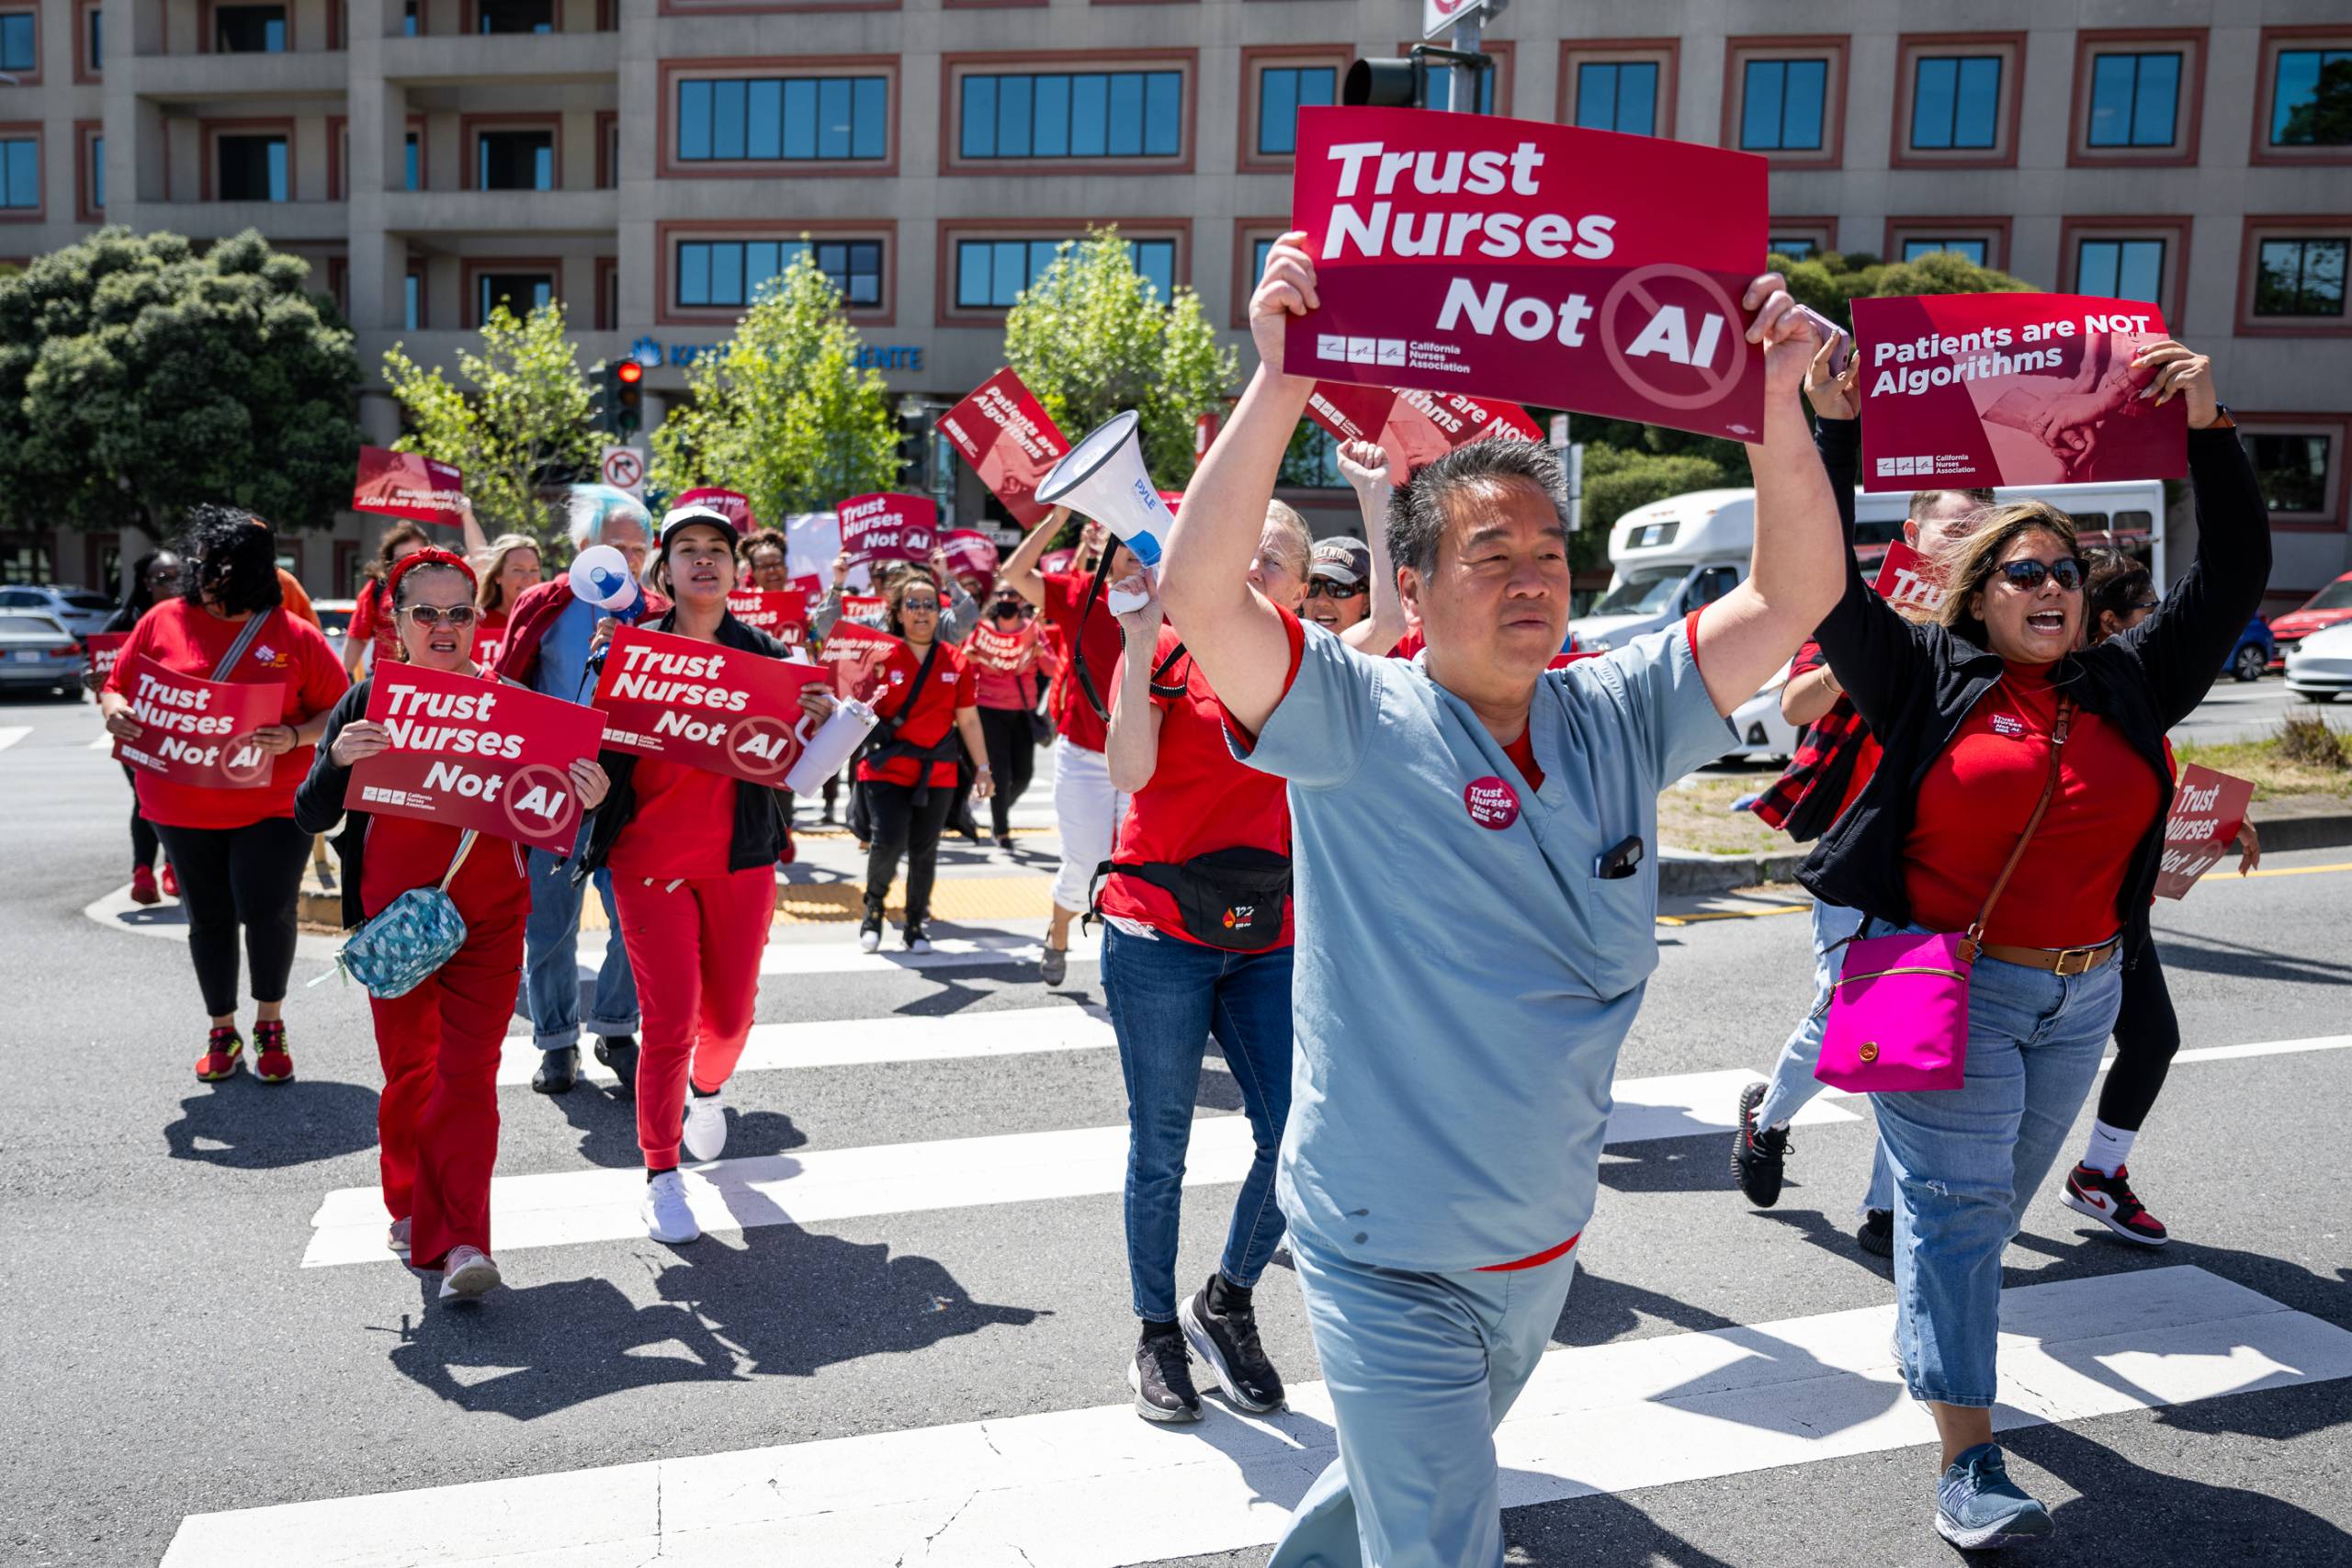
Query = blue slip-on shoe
x=1978 y=1507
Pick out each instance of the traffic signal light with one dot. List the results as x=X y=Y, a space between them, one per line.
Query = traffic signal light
x=625 y=399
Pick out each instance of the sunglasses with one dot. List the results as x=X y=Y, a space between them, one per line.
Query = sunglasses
x=2029 y=575
x=1317 y=587
x=457 y=616
x=930 y=605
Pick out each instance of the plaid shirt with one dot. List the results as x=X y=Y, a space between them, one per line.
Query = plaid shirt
x=1824 y=759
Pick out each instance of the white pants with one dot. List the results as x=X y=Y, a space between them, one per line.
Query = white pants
x=1086 y=814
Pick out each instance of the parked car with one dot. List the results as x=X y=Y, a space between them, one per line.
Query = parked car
x=76 y=608
x=37 y=654
x=2319 y=665
x=1764 y=735
x=2332 y=605
x=2254 y=653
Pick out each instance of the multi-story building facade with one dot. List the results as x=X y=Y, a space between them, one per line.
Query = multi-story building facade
x=650 y=160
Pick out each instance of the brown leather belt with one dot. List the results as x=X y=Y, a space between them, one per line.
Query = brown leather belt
x=2060 y=960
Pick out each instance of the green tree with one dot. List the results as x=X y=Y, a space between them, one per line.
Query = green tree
x=524 y=428
x=1832 y=280
x=137 y=378
x=1091 y=337
x=781 y=411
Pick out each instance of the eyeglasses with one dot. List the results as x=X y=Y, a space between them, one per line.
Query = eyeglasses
x=457 y=616
x=2028 y=575
x=1318 y=588
x=930 y=605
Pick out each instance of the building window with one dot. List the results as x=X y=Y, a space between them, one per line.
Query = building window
x=1796 y=247
x=514 y=16
x=19 y=43
x=20 y=173
x=2121 y=269
x=2300 y=278
x=1259 y=249
x=991 y=273
x=1087 y=114
x=412 y=304
x=2311 y=98
x=713 y=273
x=1782 y=105
x=1282 y=91
x=2292 y=469
x=514 y=160
x=1441 y=92
x=793 y=119
x=521 y=292
x=1618 y=95
x=95 y=41
x=408 y=18
x=251 y=168
x=413 y=154
x=249 y=30
x=1955 y=102
x=2134 y=99
x=1974 y=250
x=99 y=186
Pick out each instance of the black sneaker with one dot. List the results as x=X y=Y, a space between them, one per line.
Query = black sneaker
x=1755 y=1155
x=1875 y=1235
x=618 y=1052
x=559 y=1070
x=1228 y=1342
x=1163 y=1379
x=917 y=935
x=2110 y=1200
x=869 y=930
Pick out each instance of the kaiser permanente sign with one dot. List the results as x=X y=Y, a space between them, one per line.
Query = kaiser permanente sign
x=1543 y=263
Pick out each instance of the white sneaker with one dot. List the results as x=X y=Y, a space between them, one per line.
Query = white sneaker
x=706 y=1124
x=668 y=1216
x=467 y=1274
x=397 y=1237
x=870 y=939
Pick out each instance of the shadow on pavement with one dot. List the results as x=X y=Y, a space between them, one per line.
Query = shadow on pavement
x=246 y=1125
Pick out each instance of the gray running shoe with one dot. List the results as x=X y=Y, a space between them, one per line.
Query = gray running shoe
x=1978 y=1508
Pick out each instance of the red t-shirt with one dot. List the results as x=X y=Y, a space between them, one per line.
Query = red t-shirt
x=684 y=825
x=490 y=636
x=950 y=687
x=372 y=620
x=1976 y=798
x=289 y=653
x=1004 y=666
x=1065 y=598
x=1522 y=753
x=1407 y=646
x=1199 y=799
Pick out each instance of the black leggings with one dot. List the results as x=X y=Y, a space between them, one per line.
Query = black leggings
x=144 y=846
x=1012 y=757
x=2147 y=1032
x=902 y=828
x=239 y=877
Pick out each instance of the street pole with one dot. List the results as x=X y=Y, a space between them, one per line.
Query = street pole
x=1464 y=99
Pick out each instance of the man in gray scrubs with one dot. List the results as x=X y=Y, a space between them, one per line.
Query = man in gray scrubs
x=1460 y=996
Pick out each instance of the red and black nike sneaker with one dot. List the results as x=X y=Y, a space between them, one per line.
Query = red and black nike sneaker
x=272 y=1062
x=224 y=1051
x=2111 y=1201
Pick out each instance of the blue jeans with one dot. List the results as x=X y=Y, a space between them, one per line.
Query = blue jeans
x=1422 y=1368
x=1793 y=1086
x=1167 y=997
x=551 y=960
x=1967 y=1161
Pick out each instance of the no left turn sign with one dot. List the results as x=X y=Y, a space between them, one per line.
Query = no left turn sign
x=624 y=468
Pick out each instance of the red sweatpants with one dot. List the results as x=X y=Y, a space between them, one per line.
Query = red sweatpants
x=437 y=1121
x=695 y=947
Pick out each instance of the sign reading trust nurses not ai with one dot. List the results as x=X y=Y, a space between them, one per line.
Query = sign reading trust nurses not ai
x=1549 y=265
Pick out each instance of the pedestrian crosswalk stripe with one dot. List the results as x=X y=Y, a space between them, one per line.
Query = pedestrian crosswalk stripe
x=2261 y=1048
x=839 y=954
x=12 y=733
x=1095 y=1488
x=901 y=1037
x=813 y=1186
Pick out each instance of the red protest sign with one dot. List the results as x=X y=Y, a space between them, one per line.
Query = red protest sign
x=1905 y=580
x=1005 y=434
x=1006 y=652
x=407 y=484
x=1578 y=269
x=471 y=752
x=889 y=527
x=1969 y=390
x=99 y=651
x=853 y=657
x=865 y=610
x=2208 y=810
x=714 y=709
x=1414 y=428
x=970 y=553
x=782 y=612
x=733 y=505
x=200 y=732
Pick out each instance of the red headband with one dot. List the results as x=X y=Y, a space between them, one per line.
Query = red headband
x=430 y=555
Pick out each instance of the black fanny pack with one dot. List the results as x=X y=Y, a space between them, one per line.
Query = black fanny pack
x=1230 y=898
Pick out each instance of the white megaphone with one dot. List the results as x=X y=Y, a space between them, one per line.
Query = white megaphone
x=1103 y=478
x=600 y=574
x=822 y=754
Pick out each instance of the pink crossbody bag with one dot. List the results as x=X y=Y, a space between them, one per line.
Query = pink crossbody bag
x=1898 y=1011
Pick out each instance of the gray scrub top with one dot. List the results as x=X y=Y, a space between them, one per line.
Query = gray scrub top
x=1463 y=978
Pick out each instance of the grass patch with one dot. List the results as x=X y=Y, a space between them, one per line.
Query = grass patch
x=1695 y=813
x=2307 y=756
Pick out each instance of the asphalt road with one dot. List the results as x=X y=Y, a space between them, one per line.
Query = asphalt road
x=165 y=1355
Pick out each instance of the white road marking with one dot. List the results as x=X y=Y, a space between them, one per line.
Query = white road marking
x=12 y=733
x=2260 y=1048
x=838 y=954
x=1097 y=1487
x=103 y=743
x=564 y=1208
x=863 y=1041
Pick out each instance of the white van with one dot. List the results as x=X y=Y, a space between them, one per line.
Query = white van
x=1674 y=556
